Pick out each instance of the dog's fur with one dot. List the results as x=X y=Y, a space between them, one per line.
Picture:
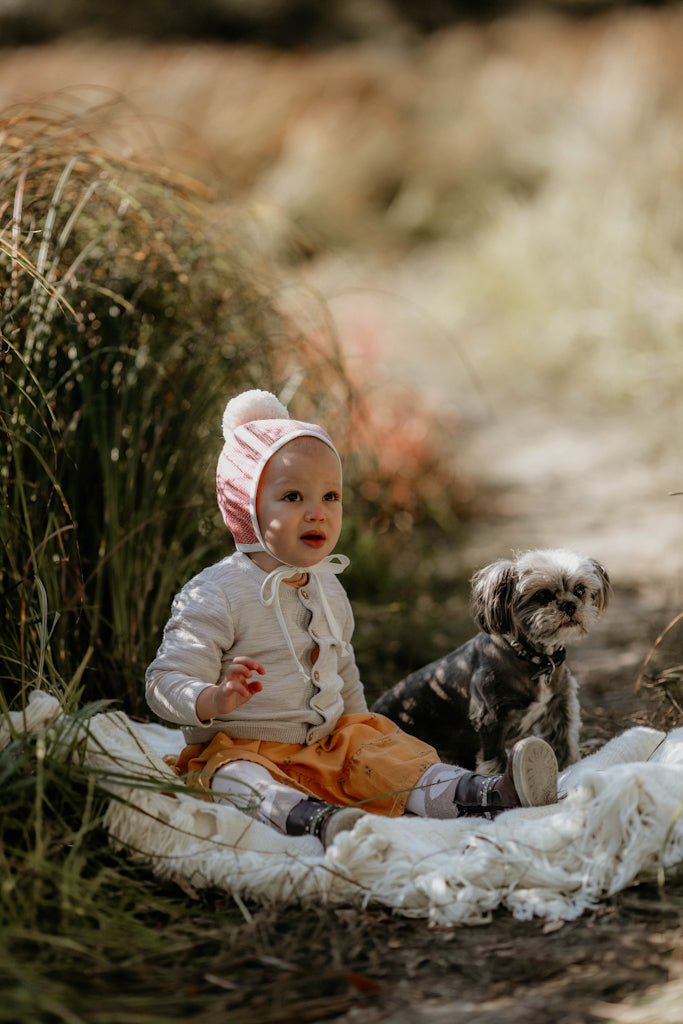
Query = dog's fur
x=510 y=680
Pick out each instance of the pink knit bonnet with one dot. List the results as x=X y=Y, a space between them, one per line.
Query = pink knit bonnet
x=255 y=426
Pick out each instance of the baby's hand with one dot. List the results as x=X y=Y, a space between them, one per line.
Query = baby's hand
x=235 y=688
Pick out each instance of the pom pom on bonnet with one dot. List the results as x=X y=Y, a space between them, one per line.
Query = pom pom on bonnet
x=255 y=426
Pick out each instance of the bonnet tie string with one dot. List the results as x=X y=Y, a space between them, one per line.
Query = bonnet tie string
x=270 y=595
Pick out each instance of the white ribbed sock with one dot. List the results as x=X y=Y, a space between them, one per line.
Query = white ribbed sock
x=433 y=795
x=251 y=788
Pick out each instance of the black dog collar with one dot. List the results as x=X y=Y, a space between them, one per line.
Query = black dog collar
x=546 y=663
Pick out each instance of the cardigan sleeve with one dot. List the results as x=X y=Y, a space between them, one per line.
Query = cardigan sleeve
x=189 y=658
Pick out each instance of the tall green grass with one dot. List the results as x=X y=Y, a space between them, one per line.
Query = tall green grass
x=132 y=307
x=86 y=935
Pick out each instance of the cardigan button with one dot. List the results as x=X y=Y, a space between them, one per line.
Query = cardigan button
x=304 y=594
x=316 y=676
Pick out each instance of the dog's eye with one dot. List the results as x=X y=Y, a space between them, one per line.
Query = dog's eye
x=544 y=597
x=579 y=590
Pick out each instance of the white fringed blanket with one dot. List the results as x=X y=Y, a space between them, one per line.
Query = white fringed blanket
x=621 y=814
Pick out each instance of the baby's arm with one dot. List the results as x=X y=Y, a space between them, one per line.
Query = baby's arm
x=235 y=689
x=190 y=657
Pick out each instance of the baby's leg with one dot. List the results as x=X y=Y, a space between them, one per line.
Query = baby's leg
x=447 y=791
x=251 y=788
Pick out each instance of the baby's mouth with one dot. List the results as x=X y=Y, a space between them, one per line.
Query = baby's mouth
x=313 y=539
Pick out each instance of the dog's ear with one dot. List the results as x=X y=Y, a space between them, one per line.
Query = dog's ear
x=493 y=589
x=605 y=592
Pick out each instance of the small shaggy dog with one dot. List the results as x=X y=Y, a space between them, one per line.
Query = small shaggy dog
x=510 y=680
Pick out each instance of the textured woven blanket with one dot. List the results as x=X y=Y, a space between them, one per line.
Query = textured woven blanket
x=620 y=815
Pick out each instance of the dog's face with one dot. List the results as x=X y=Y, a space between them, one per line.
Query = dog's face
x=550 y=598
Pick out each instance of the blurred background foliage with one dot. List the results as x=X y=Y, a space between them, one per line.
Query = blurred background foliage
x=278 y=23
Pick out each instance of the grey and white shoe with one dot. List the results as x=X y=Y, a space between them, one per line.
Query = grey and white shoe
x=341 y=820
x=325 y=821
x=529 y=780
x=533 y=766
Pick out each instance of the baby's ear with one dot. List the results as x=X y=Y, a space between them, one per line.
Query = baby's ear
x=493 y=589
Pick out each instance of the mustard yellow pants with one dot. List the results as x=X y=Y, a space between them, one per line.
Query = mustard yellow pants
x=365 y=759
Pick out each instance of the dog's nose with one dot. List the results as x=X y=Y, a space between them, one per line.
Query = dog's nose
x=567 y=606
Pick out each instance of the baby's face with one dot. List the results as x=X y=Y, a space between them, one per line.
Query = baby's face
x=299 y=503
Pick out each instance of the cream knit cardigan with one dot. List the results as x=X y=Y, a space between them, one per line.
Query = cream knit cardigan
x=219 y=615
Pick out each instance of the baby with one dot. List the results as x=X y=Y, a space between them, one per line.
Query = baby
x=257 y=666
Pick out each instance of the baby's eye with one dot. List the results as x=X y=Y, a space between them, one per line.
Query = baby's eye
x=292 y=496
x=332 y=496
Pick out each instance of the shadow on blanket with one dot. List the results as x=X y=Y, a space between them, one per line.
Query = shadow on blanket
x=620 y=814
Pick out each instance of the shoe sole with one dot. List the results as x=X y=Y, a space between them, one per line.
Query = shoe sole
x=534 y=772
x=340 y=821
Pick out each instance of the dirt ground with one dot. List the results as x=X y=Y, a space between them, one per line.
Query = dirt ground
x=621 y=964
